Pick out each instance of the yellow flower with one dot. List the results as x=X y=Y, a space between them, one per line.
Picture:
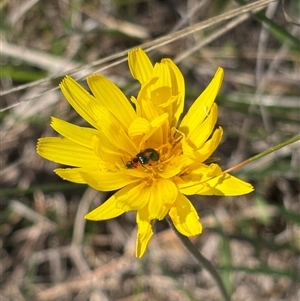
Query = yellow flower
x=141 y=148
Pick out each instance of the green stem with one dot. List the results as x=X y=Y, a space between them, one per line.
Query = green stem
x=201 y=260
x=262 y=154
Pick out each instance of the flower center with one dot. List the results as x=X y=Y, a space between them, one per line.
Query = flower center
x=167 y=154
x=159 y=162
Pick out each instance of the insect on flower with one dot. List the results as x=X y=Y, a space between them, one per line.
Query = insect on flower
x=134 y=163
x=144 y=157
x=180 y=164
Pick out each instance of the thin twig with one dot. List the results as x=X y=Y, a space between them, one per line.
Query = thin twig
x=201 y=260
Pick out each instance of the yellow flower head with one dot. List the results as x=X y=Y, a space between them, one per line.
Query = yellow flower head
x=141 y=148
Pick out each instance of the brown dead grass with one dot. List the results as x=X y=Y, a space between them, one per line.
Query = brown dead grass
x=49 y=252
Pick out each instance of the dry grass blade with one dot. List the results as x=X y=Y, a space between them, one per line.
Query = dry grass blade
x=126 y=28
x=167 y=39
x=53 y=64
x=49 y=252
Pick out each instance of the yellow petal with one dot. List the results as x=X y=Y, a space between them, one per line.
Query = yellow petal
x=113 y=131
x=106 y=211
x=146 y=107
x=209 y=146
x=194 y=180
x=184 y=216
x=209 y=180
x=162 y=98
x=154 y=113
x=70 y=174
x=206 y=150
x=225 y=185
x=178 y=88
x=149 y=110
x=65 y=151
x=161 y=122
x=78 y=98
x=187 y=149
x=144 y=233
x=201 y=107
x=156 y=134
x=145 y=129
x=163 y=194
x=112 y=98
x=140 y=65
x=204 y=129
x=165 y=93
x=134 y=196
x=161 y=90
x=115 y=205
x=139 y=126
x=106 y=180
x=106 y=150
x=77 y=134
x=138 y=173
x=169 y=171
x=144 y=95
